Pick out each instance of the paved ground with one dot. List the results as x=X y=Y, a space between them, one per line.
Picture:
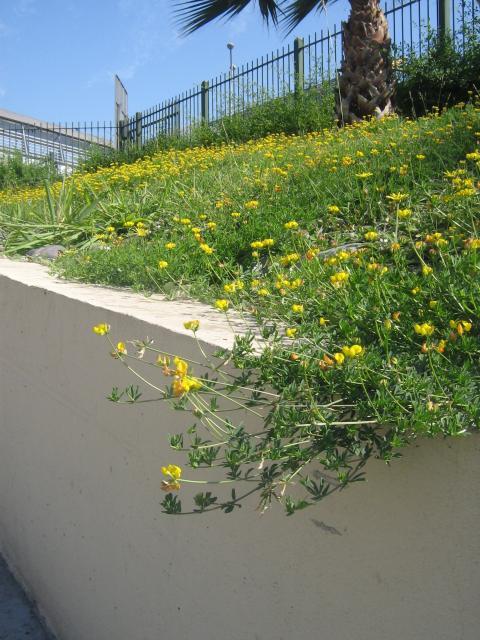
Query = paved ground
x=18 y=620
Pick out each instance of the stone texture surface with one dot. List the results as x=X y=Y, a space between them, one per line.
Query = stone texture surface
x=48 y=252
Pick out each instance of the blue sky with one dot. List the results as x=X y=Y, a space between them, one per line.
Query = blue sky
x=58 y=57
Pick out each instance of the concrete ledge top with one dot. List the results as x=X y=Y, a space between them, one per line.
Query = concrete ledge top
x=156 y=309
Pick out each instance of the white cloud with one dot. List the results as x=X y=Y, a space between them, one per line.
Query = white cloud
x=149 y=36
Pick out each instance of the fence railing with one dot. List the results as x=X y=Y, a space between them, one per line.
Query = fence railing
x=66 y=145
x=304 y=64
x=309 y=62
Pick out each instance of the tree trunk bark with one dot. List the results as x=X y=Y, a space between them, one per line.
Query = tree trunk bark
x=366 y=83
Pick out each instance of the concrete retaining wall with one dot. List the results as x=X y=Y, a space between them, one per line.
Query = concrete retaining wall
x=394 y=559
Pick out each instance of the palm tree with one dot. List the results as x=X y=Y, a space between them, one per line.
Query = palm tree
x=365 y=83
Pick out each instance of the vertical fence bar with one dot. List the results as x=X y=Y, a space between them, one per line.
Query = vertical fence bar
x=299 y=65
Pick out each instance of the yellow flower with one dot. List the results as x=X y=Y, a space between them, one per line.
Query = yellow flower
x=426 y=270
x=397 y=197
x=129 y=223
x=162 y=264
x=121 y=348
x=101 y=329
x=172 y=471
x=263 y=292
x=333 y=208
x=461 y=326
x=182 y=385
x=371 y=235
x=297 y=308
x=222 y=304
x=268 y=242
x=473 y=244
x=339 y=278
x=289 y=259
x=170 y=246
x=251 y=204
x=293 y=224
x=290 y=332
x=404 y=213
x=185 y=221
x=475 y=155
x=192 y=325
x=424 y=329
x=322 y=321
x=339 y=357
x=353 y=352
x=141 y=232
x=364 y=175
x=432 y=304
x=420 y=156
x=230 y=287
x=416 y=290
x=181 y=367
x=110 y=229
x=211 y=225
x=206 y=248
x=256 y=244
x=395 y=246
x=235 y=214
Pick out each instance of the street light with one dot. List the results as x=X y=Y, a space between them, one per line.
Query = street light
x=230 y=46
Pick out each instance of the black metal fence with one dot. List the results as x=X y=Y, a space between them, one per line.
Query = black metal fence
x=306 y=63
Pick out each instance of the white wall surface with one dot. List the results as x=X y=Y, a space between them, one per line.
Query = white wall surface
x=396 y=558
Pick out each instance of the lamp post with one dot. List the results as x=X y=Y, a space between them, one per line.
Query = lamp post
x=230 y=46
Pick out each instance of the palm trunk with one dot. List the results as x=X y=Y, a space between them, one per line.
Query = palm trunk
x=366 y=83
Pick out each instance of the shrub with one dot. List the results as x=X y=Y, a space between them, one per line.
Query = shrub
x=14 y=172
x=447 y=73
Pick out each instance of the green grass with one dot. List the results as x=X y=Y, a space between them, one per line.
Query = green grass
x=358 y=253
x=306 y=192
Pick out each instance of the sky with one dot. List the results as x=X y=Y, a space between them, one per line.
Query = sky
x=58 y=57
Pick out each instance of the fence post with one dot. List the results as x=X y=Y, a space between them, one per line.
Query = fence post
x=299 y=65
x=444 y=18
x=138 y=128
x=123 y=127
x=204 y=102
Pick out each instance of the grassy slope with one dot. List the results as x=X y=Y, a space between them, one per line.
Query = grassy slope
x=290 y=179
x=405 y=194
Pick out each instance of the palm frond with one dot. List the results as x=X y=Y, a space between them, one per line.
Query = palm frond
x=297 y=10
x=193 y=14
